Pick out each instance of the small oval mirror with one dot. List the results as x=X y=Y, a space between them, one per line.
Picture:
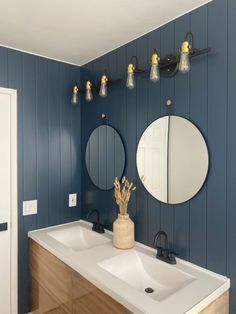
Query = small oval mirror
x=105 y=156
x=172 y=159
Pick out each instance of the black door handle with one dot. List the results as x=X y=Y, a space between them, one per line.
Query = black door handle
x=3 y=226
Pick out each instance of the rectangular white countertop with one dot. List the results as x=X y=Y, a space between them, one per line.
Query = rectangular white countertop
x=192 y=298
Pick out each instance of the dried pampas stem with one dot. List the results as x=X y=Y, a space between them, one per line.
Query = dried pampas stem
x=122 y=193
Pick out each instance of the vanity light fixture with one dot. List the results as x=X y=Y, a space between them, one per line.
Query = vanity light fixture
x=155 y=70
x=88 y=93
x=167 y=67
x=103 y=86
x=75 y=96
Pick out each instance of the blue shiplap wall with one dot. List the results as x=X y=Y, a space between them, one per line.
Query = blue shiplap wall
x=202 y=230
x=49 y=132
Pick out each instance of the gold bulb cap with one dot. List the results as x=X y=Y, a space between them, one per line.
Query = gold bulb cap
x=155 y=59
x=185 y=47
x=131 y=68
x=104 y=79
x=88 y=85
x=75 y=89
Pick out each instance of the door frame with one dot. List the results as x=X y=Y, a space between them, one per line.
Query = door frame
x=14 y=199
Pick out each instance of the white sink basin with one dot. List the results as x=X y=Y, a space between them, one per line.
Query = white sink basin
x=141 y=271
x=78 y=238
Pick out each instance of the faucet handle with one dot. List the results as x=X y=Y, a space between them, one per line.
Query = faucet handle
x=98 y=227
x=172 y=259
x=165 y=253
x=159 y=251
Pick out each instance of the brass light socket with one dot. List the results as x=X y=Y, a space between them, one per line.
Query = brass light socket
x=155 y=59
x=75 y=89
x=185 y=47
x=131 y=68
x=88 y=85
x=104 y=79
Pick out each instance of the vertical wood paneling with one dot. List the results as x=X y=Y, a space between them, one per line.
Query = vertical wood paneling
x=42 y=142
x=231 y=155
x=30 y=154
x=29 y=133
x=89 y=110
x=217 y=115
x=131 y=131
x=54 y=141
x=117 y=112
x=198 y=114
x=65 y=143
x=142 y=122
x=181 y=108
x=101 y=66
x=167 y=92
x=75 y=117
x=154 y=111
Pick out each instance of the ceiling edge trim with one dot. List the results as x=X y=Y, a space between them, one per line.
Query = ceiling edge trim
x=39 y=55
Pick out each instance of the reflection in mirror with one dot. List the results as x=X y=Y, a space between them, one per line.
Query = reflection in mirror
x=105 y=156
x=172 y=159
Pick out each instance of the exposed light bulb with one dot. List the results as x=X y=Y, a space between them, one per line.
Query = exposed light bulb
x=155 y=71
x=130 y=82
x=75 y=97
x=103 y=87
x=184 y=63
x=88 y=95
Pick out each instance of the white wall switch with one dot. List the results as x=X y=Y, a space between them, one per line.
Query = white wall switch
x=30 y=207
x=72 y=200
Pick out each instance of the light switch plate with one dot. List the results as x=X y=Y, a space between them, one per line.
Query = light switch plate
x=72 y=200
x=30 y=207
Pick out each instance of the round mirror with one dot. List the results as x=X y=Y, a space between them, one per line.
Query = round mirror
x=105 y=156
x=172 y=159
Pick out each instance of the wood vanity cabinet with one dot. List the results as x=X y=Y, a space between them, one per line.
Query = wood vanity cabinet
x=219 y=306
x=55 y=288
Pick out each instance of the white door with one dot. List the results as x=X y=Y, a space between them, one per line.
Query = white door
x=152 y=158
x=8 y=197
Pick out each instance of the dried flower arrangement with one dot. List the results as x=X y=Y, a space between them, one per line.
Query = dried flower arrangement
x=122 y=193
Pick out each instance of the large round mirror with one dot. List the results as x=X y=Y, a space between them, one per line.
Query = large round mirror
x=105 y=156
x=172 y=159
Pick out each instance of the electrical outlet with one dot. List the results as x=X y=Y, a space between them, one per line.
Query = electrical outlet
x=72 y=200
x=30 y=207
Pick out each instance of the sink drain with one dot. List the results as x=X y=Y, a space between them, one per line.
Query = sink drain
x=149 y=290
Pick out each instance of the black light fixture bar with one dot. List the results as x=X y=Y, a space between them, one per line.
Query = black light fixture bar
x=168 y=65
x=96 y=87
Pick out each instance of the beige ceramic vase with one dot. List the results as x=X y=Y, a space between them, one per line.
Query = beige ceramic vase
x=123 y=232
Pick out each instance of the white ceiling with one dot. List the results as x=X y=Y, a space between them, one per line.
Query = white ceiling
x=77 y=31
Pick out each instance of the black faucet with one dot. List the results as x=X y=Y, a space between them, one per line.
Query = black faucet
x=163 y=253
x=97 y=226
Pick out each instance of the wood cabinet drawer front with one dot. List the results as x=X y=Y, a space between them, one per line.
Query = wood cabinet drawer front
x=53 y=277
x=88 y=299
x=55 y=288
